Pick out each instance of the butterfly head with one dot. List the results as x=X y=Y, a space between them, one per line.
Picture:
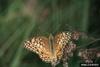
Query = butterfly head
x=51 y=37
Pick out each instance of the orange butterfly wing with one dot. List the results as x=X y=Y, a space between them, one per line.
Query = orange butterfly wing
x=40 y=46
x=61 y=40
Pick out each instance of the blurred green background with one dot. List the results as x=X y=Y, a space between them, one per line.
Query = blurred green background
x=22 y=19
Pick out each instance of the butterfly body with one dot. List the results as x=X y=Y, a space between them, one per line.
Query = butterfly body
x=49 y=49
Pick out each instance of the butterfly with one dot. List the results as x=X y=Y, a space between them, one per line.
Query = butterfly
x=49 y=49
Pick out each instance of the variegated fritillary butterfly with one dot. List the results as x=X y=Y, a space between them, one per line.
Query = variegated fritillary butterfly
x=49 y=49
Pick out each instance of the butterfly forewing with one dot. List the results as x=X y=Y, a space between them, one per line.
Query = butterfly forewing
x=40 y=46
x=61 y=40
